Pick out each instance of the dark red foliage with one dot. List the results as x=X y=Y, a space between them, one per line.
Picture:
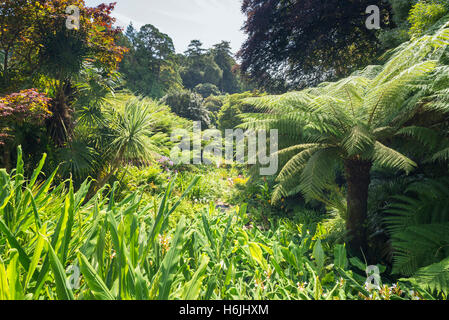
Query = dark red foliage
x=297 y=43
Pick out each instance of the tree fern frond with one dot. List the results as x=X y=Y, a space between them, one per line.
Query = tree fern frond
x=296 y=163
x=388 y=97
x=358 y=141
x=424 y=136
x=318 y=173
x=442 y=155
x=434 y=278
x=389 y=158
x=419 y=226
x=282 y=103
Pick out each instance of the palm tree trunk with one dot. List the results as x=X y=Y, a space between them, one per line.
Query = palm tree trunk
x=358 y=180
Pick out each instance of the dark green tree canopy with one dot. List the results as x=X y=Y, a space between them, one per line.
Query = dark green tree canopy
x=195 y=49
x=150 y=68
x=207 y=90
x=198 y=67
x=224 y=58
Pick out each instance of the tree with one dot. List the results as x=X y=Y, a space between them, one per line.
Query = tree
x=21 y=113
x=424 y=15
x=199 y=67
x=207 y=89
x=410 y=18
x=293 y=44
x=37 y=47
x=349 y=124
x=130 y=135
x=223 y=57
x=195 y=49
x=150 y=68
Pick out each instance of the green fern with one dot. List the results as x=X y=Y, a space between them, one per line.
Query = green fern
x=354 y=117
x=419 y=226
x=434 y=278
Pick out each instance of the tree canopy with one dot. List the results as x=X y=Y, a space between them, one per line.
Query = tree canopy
x=150 y=68
x=296 y=43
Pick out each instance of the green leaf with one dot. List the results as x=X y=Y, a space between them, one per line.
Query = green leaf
x=340 y=257
x=40 y=243
x=23 y=257
x=318 y=255
x=257 y=254
x=192 y=288
x=170 y=263
x=93 y=280
x=62 y=290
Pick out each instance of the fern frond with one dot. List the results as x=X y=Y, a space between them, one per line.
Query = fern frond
x=389 y=158
x=434 y=278
x=419 y=226
x=318 y=173
x=424 y=136
x=358 y=141
x=442 y=155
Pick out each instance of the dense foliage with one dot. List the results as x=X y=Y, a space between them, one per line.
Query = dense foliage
x=124 y=250
x=294 y=44
x=95 y=208
x=150 y=68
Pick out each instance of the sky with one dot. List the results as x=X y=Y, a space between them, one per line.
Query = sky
x=209 y=21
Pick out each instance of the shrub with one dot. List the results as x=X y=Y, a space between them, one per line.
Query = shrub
x=234 y=106
x=207 y=90
x=424 y=14
x=21 y=115
x=213 y=104
x=188 y=105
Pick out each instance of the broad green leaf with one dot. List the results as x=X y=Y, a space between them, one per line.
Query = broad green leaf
x=93 y=280
x=63 y=292
x=40 y=243
x=318 y=255
x=340 y=257
x=170 y=263
x=192 y=288
x=257 y=255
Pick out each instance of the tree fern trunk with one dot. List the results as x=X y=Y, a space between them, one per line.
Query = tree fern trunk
x=358 y=180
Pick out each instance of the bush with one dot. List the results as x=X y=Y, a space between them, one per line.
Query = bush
x=214 y=104
x=425 y=14
x=188 y=105
x=207 y=90
x=234 y=105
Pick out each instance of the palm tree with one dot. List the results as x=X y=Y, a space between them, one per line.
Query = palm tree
x=128 y=136
x=349 y=124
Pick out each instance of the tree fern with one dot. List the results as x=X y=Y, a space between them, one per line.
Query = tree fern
x=419 y=226
x=434 y=278
x=353 y=121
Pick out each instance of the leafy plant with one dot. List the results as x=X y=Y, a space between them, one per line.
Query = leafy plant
x=348 y=124
x=124 y=249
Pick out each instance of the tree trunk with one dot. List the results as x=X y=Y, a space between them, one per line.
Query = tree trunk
x=358 y=179
x=61 y=125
